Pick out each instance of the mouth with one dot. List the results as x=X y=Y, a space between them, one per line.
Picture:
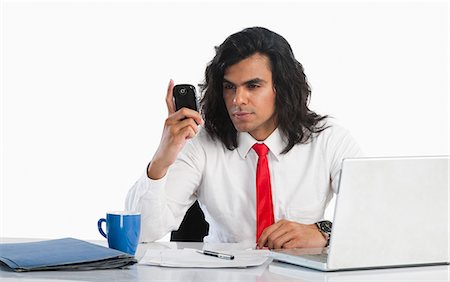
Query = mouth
x=241 y=115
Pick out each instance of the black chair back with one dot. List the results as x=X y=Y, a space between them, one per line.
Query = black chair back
x=193 y=228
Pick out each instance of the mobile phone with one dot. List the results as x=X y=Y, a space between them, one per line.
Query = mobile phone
x=185 y=96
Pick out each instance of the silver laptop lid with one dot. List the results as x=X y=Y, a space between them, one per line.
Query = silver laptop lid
x=391 y=212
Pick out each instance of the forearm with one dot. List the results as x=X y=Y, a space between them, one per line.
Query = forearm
x=156 y=170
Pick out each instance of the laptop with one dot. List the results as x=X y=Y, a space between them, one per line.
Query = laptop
x=390 y=212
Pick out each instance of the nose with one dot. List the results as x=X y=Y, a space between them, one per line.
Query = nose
x=240 y=97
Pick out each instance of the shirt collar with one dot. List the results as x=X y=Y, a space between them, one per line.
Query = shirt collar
x=274 y=142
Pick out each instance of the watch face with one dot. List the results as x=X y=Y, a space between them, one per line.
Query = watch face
x=326 y=226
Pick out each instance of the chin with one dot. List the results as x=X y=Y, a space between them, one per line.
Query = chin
x=242 y=128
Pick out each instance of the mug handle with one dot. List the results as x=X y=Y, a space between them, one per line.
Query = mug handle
x=99 y=226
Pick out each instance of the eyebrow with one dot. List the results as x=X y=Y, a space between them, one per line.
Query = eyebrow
x=251 y=81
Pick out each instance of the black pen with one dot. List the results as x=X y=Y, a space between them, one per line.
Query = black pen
x=216 y=254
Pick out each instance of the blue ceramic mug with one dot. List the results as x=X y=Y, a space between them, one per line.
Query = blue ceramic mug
x=122 y=230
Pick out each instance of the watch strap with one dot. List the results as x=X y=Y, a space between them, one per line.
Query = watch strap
x=325 y=228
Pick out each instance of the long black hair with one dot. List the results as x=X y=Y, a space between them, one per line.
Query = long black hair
x=295 y=120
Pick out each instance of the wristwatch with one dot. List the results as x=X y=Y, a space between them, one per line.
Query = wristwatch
x=325 y=227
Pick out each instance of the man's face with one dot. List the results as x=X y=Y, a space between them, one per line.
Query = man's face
x=250 y=96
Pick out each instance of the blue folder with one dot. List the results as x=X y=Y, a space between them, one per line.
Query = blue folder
x=62 y=254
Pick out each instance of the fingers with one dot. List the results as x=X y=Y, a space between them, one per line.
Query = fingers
x=180 y=126
x=262 y=240
x=289 y=234
x=280 y=240
x=269 y=233
x=186 y=127
x=169 y=98
x=185 y=113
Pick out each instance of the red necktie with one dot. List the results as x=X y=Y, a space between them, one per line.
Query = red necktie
x=264 y=208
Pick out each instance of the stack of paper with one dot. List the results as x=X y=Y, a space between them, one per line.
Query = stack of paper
x=62 y=254
x=191 y=258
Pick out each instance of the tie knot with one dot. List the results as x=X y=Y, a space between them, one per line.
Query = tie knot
x=261 y=149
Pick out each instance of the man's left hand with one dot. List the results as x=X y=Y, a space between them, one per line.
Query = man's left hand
x=287 y=234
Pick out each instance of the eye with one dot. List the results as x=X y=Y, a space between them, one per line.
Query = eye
x=253 y=85
x=228 y=86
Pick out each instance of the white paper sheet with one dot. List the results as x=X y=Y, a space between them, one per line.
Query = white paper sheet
x=191 y=258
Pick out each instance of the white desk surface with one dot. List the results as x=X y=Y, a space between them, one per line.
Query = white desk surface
x=270 y=271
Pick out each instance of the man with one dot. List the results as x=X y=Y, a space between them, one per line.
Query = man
x=255 y=92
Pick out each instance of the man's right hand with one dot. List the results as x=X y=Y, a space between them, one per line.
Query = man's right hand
x=178 y=128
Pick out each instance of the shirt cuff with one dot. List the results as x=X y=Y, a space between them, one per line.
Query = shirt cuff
x=144 y=188
x=152 y=186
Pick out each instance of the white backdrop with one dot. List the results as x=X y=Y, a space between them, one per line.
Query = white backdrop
x=83 y=86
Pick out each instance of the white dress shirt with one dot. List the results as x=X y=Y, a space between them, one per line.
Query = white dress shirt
x=224 y=182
